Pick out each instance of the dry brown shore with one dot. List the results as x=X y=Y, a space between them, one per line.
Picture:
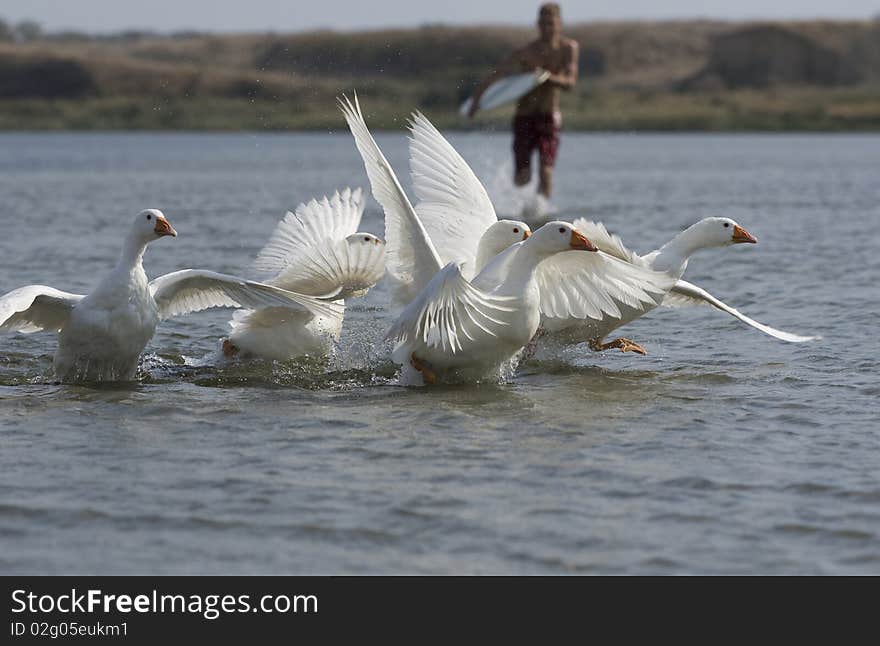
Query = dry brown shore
x=688 y=75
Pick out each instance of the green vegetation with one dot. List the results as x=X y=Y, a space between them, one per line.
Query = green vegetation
x=634 y=76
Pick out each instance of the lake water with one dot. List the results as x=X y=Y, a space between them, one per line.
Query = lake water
x=722 y=451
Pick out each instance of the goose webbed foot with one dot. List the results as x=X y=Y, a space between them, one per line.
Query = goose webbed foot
x=625 y=345
x=428 y=375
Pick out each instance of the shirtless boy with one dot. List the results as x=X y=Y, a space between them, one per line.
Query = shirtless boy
x=537 y=120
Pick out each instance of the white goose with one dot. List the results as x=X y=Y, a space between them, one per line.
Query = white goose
x=460 y=330
x=316 y=251
x=672 y=259
x=102 y=335
x=503 y=288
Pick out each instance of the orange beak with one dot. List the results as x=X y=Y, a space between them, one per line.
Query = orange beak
x=741 y=235
x=580 y=241
x=526 y=234
x=163 y=228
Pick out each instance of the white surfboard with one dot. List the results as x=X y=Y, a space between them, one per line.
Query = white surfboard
x=506 y=90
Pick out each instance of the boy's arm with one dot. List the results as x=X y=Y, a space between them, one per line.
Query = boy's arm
x=567 y=77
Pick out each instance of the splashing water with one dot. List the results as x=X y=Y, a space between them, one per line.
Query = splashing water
x=520 y=202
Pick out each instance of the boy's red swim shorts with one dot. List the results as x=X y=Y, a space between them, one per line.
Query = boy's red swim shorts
x=531 y=131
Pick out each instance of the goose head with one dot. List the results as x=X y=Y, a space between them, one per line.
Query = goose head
x=721 y=232
x=498 y=237
x=502 y=234
x=366 y=261
x=149 y=225
x=558 y=236
x=364 y=240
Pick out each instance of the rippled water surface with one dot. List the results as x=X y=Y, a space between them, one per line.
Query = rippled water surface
x=722 y=451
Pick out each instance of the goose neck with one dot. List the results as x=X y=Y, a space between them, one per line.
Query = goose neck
x=674 y=255
x=522 y=267
x=132 y=254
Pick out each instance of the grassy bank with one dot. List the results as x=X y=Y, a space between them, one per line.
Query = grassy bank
x=634 y=76
x=783 y=109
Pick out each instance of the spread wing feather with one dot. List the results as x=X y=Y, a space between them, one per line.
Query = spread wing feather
x=193 y=290
x=607 y=242
x=685 y=293
x=450 y=314
x=334 y=271
x=581 y=285
x=411 y=258
x=311 y=226
x=453 y=204
x=36 y=307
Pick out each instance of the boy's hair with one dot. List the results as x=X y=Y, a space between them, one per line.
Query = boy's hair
x=549 y=9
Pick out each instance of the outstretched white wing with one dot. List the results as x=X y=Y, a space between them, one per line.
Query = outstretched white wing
x=685 y=293
x=315 y=251
x=586 y=285
x=312 y=225
x=36 y=307
x=336 y=270
x=193 y=290
x=411 y=258
x=607 y=242
x=453 y=204
x=450 y=314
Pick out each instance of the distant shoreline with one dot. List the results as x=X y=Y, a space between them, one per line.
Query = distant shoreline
x=793 y=114
x=664 y=76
